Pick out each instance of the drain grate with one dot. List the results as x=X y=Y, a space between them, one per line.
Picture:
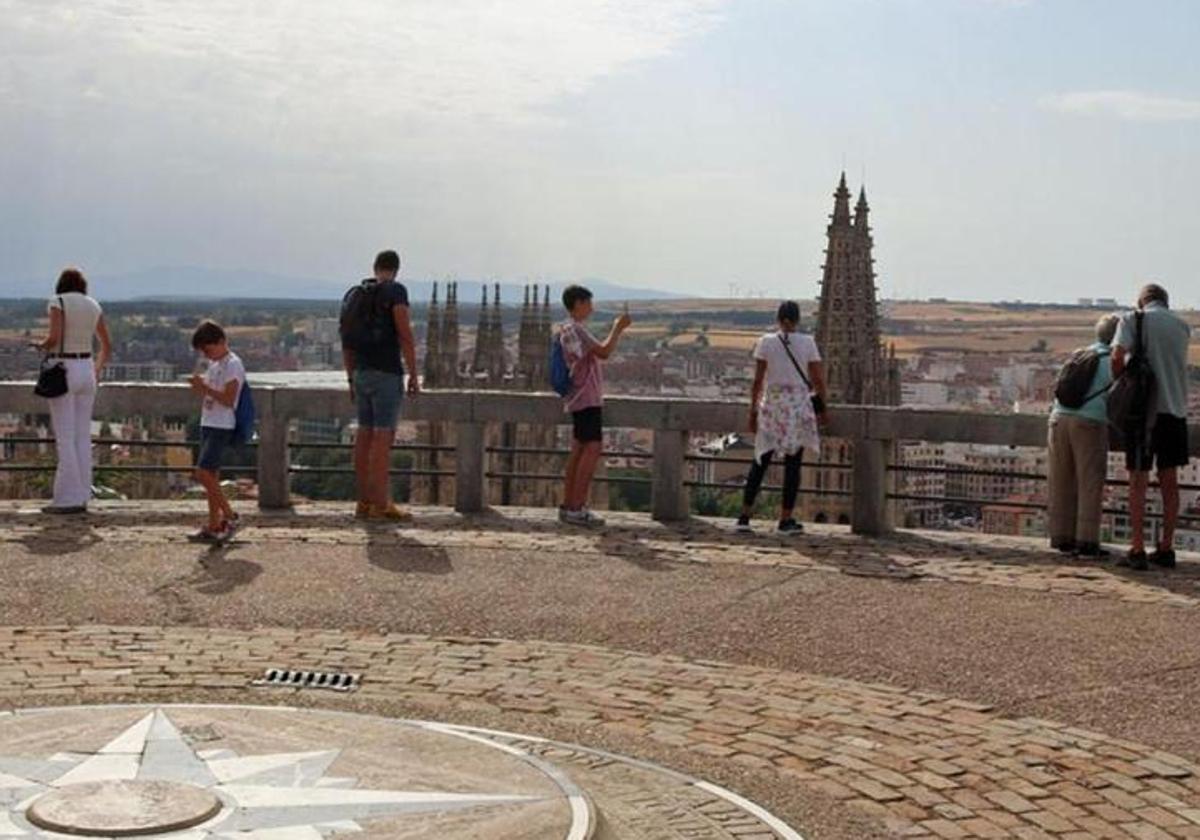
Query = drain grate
x=329 y=680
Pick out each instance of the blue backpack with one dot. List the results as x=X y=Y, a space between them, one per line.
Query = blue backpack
x=244 y=416
x=560 y=372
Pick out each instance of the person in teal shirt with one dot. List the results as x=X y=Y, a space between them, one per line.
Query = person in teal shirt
x=1078 y=458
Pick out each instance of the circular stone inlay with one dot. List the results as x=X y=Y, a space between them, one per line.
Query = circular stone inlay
x=123 y=808
x=242 y=770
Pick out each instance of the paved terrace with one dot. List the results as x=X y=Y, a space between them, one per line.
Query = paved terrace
x=859 y=682
x=921 y=684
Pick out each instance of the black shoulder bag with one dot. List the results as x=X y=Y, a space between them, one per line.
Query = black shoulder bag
x=818 y=404
x=1134 y=393
x=52 y=379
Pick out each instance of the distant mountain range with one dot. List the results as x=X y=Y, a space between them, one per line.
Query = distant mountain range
x=189 y=282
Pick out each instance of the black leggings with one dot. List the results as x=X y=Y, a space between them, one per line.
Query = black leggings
x=791 y=479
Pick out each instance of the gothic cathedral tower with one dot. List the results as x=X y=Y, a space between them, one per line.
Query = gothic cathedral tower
x=857 y=369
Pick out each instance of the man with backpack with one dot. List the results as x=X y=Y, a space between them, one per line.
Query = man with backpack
x=375 y=332
x=1149 y=407
x=1078 y=445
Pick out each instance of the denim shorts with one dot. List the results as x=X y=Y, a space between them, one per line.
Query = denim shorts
x=213 y=443
x=377 y=394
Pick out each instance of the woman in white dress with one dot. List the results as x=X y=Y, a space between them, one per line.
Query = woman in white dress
x=76 y=320
x=787 y=406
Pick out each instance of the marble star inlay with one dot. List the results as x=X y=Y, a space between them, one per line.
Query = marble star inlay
x=283 y=796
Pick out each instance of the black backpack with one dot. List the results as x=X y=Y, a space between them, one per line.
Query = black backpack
x=1131 y=404
x=1071 y=386
x=361 y=324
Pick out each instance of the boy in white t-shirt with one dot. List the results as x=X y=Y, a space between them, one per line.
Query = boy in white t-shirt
x=219 y=385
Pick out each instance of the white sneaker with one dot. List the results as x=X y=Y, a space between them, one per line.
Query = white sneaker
x=583 y=517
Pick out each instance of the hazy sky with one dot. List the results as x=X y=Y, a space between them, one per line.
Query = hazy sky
x=1036 y=149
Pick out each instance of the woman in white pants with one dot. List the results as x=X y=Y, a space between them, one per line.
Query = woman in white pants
x=75 y=320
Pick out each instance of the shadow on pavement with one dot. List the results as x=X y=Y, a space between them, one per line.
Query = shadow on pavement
x=632 y=538
x=630 y=549
x=61 y=535
x=388 y=549
x=220 y=574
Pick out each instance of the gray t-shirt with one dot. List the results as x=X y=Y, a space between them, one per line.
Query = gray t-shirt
x=1166 y=336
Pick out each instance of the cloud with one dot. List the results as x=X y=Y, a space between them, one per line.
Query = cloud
x=1132 y=105
x=379 y=63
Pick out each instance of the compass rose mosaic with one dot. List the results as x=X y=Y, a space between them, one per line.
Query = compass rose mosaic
x=253 y=773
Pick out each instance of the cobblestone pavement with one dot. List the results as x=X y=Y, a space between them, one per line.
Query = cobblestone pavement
x=1021 y=634
x=926 y=765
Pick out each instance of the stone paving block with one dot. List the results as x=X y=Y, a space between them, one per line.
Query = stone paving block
x=909 y=757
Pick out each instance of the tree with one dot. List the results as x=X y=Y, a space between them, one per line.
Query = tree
x=629 y=495
x=324 y=485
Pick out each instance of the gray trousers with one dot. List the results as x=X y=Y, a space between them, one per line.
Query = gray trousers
x=1078 y=467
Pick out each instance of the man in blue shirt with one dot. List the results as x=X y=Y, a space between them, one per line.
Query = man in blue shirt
x=1166 y=337
x=376 y=334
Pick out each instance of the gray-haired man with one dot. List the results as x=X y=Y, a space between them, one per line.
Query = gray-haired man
x=1166 y=337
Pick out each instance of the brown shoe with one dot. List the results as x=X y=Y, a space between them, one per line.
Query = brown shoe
x=392 y=513
x=362 y=510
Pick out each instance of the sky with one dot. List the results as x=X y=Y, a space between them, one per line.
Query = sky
x=1011 y=149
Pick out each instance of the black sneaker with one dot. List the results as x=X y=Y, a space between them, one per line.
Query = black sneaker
x=64 y=510
x=1065 y=546
x=743 y=525
x=1164 y=558
x=1090 y=551
x=1135 y=560
x=789 y=527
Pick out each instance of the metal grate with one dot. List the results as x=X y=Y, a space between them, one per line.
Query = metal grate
x=329 y=680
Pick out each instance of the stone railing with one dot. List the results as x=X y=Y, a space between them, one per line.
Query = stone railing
x=873 y=431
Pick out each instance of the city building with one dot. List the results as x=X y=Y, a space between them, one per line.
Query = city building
x=1012 y=517
x=922 y=479
x=118 y=371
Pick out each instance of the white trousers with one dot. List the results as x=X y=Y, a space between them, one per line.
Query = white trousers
x=71 y=417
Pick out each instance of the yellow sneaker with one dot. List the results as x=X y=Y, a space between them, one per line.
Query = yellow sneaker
x=392 y=512
x=362 y=510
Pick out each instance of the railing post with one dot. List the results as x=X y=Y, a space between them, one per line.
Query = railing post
x=469 y=462
x=668 y=496
x=870 y=513
x=273 y=462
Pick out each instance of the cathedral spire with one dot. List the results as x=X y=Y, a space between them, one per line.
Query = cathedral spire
x=482 y=329
x=841 y=204
x=433 y=340
x=848 y=324
x=449 y=355
x=861 y=209
x=497 y=364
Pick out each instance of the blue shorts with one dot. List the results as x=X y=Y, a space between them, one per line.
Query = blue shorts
x=378 y=394
x=213 y=443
